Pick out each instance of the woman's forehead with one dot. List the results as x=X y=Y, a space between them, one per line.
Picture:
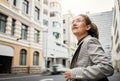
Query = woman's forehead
x=78 y=17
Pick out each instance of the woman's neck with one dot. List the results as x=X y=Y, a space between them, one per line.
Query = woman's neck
x=81 y=36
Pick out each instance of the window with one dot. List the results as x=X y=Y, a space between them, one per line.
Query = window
x=46 y=2
x=23 y=55
x=35 y=58
x=56 y=24
x=14 y=2
x=24 y=32
x=36 y=36
x=64 y=21
x=56 y=35
x=45 y=12
x=36 y=15
x=54 y=14
x=64 y=31
x=45 y=22
x=54 y=4
x=13 y=27
x=3 y=19
x=25 y=6
x=107 y=46
x=58 y=44
x=65 y=41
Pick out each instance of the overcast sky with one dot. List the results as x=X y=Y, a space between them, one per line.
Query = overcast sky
x=83 y=6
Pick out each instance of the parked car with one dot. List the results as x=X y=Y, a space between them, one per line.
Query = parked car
x=57 y=69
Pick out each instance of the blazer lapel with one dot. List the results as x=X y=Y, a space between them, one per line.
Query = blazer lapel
x=76 y=54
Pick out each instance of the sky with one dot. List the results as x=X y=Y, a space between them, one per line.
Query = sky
x=83 y=6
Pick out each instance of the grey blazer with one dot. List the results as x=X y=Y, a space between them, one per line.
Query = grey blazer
x=92 y=63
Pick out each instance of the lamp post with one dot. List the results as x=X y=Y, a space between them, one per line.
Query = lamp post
x=45 y=46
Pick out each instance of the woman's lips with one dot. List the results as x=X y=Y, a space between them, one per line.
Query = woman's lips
x=74 y=27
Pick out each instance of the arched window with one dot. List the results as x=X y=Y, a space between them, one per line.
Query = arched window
x=35 y=58
x=23 y=54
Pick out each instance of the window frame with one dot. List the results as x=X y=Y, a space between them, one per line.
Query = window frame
x=3 y=20
x=23 y=57
x=36 y=35
x=37 y=13
x=45 y=22
x=13 y=27
x=35 y=58
x=15 y=2
x=24 y=31
x=25 y=6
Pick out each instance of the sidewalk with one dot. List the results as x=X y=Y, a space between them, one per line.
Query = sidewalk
x=17 y=75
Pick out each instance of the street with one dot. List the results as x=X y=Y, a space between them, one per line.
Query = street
x=12 y=77
x=26 y=77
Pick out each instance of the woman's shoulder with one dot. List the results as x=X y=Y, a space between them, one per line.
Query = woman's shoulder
x=90 y=39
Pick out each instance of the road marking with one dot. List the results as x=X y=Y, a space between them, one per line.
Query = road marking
x=47 y=79
x=17 y=77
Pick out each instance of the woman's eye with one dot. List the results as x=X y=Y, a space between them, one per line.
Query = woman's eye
x=78 y=20
x=73 y=21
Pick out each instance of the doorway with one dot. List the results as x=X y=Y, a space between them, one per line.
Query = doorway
x=64 y=62
x=5 y=64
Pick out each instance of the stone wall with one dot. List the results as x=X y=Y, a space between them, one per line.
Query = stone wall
x=23 y=70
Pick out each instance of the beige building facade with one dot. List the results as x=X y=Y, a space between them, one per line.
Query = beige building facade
x=20 y=36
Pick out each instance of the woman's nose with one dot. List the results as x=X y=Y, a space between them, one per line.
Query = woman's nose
x=74 y=24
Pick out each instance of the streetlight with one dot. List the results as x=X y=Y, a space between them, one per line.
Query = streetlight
x=45 y=31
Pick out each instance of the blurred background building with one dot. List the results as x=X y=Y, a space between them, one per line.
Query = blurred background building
x=20 y=36
x=56 y=52
x=116 y=36
x=69 y=39
x=103 y=20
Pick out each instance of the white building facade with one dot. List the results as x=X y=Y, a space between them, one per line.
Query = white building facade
x=69 y=39
x=116 y=36
x=55 y=52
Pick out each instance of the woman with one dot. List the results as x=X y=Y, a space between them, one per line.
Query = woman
x=89 y=62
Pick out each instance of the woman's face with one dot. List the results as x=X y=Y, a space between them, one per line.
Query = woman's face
x=79 y=26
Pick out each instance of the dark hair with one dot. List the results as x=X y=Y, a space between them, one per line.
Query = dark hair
x=93 y=30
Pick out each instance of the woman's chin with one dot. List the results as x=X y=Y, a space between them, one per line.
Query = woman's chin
x=75 y=33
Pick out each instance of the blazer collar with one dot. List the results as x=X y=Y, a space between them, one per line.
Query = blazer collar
x=81 y=40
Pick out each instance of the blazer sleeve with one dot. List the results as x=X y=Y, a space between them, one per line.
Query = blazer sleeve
x=101 y=67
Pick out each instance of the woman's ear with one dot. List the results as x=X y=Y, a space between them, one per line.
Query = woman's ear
x=88 y=27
